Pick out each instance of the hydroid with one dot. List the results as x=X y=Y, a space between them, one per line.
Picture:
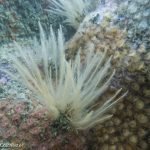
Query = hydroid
x=67 y=87
x=73 y=10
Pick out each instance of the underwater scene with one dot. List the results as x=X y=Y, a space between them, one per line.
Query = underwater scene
x=74 y=74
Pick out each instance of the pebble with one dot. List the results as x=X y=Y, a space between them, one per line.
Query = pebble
x=132 y=124
x=142 y=118
x=141 y=132
x=105 y=147
x=133 y=139
x=139 y=104
x=112 y=147
x=143 y=145
x=120 y=147
x=128 y=147
x=116 y=121
x=126 y=133
x=106 y=137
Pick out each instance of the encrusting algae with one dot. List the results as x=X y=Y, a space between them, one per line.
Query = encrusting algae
x=29 y=125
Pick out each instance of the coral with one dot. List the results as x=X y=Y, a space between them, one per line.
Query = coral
x=134 y=16
x=129 y=127
x=74 y=10
x=99 y=37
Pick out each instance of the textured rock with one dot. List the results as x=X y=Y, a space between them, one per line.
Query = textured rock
x=134 y=16
x=19 y=19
